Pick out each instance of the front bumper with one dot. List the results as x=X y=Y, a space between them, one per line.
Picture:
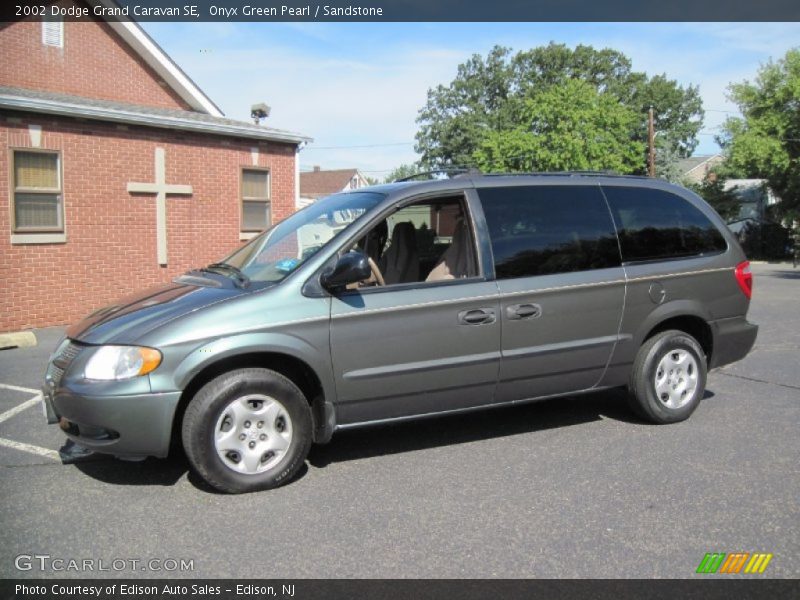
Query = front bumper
x=126 y=426
x=733 y=340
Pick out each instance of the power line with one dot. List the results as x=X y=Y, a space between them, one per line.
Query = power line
x=360 y=146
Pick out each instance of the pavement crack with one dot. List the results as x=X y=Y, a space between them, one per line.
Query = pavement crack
x=756 y=380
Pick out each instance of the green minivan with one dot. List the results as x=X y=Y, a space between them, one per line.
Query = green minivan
x=410 y=300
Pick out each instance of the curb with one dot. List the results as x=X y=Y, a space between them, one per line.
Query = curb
x=17 y=339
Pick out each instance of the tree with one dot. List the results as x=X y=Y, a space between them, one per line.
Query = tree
x=454 y=117
x=725 y=202
x=566 y=126
x=487 y=94
x=765 y=141
x=667 y=160
x=404 y=170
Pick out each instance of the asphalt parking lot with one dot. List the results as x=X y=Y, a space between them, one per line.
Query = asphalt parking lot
x=570 y=487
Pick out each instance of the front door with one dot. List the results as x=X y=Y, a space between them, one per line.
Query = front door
x=428 y=340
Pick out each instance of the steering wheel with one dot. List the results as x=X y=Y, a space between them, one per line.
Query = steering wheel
x=376 y=272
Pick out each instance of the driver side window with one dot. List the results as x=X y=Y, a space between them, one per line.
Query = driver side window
x=424 y=242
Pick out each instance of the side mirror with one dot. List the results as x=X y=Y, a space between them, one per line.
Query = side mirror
x=350 y=268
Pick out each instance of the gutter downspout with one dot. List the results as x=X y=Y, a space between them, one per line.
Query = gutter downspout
x=298 y=148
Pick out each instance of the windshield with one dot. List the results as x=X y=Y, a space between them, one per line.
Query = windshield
x=275 y=253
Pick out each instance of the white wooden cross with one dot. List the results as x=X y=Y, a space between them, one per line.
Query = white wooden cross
x=160 y=188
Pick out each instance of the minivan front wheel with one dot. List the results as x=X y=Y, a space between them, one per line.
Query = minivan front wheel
x=247 y=430
x=668 y=378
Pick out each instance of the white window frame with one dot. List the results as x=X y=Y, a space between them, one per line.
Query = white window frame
x=249 y=233
x=46 y=235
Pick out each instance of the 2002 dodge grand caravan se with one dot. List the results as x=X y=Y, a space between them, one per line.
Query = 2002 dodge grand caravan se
x=409 y=300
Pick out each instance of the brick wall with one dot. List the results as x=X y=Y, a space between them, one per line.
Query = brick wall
x=94 y=63
x=111 y=235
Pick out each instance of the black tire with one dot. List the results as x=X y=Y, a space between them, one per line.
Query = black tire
x=207 y=406
x=642 y=395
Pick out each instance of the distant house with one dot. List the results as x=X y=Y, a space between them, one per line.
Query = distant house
x=319 y=183
x=695 y=169
x=755 y=197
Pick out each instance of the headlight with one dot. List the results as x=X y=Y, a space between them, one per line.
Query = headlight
x=121 y=362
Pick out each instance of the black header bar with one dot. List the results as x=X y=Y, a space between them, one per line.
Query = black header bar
x=712 y=588
x=406 y=10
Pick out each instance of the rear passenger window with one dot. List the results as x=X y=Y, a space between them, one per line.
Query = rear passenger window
x=655 y=224
x=541 y=230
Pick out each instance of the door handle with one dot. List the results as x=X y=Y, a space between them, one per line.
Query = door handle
x=476 y=316
x=518 y=312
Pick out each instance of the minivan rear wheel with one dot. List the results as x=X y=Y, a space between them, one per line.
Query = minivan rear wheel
x=247 y=430
x=668 y=378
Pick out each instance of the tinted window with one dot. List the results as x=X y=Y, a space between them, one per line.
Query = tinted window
x=655 y=224
x=540 y=230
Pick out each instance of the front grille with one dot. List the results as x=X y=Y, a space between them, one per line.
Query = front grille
x=55 y=373
x=56 y=369
x=68 y=354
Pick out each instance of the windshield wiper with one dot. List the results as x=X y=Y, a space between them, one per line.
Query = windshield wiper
x=239 y=275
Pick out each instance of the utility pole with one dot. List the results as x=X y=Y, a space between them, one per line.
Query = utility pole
x=651 y=143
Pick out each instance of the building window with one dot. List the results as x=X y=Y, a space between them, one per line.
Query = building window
x=53 y=32
x=256 y=215
x=38 y=203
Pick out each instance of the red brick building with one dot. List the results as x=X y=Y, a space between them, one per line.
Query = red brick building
x=117 y=172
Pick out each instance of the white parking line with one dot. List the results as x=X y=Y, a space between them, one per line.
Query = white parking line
x=37 y=399
x=30 y=448
x=47 y=453
x=18 y=388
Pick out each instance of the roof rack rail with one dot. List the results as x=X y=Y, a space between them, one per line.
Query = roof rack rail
x=451 y=173
x=586 y=173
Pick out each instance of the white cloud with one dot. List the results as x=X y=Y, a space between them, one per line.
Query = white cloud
x=766 y=39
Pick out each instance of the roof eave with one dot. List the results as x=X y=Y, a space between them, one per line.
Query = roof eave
x=158 y=60
x=704 y=162
x=132 y=118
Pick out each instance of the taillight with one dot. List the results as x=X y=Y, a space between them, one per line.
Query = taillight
x=745 y=278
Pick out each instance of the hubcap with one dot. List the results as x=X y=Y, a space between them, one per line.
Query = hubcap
x=676 y=378
x=252 y=434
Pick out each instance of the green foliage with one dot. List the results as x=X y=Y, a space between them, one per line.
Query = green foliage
x=767 y=241
x=489 y=92
x=667 y=160
x=566 y=126
x=404 y=170
x=765 y=141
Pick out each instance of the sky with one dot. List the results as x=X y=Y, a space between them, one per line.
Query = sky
x=356 y=88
